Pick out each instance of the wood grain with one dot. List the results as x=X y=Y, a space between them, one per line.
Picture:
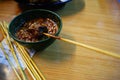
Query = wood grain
x=92 y=22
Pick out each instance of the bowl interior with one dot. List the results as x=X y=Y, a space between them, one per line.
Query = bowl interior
x=18 y=21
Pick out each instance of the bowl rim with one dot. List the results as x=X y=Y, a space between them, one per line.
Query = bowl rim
x=29 y=11
x=53 y=3
x=50 y=4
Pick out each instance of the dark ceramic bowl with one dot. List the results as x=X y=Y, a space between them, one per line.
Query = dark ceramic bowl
x=26 y=5
x=19 y=20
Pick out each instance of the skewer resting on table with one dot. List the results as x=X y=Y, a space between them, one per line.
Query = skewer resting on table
x=43 y=31
x=84 y=45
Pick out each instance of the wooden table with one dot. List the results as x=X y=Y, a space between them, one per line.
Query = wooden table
x=92 y=22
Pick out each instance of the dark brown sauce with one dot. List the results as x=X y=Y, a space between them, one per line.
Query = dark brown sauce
x=30 y=32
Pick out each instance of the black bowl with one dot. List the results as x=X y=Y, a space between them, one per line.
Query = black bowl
x=29 y=15
x=25 y=5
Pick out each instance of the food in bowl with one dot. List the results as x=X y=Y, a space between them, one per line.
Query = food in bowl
x=30 y=31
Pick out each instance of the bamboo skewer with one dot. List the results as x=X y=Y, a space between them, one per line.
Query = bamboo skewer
x=8 y=59
x=12 y=50
x=31 y=73
x=24 y=61
x=11 y=64
x=30 y=60
x=29 y=65
x=84 y=45
x=33 y=63
x=33 y=76
x=32 y=68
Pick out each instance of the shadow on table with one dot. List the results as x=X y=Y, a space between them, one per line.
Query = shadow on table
x=72 y=7
x=59 y=51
